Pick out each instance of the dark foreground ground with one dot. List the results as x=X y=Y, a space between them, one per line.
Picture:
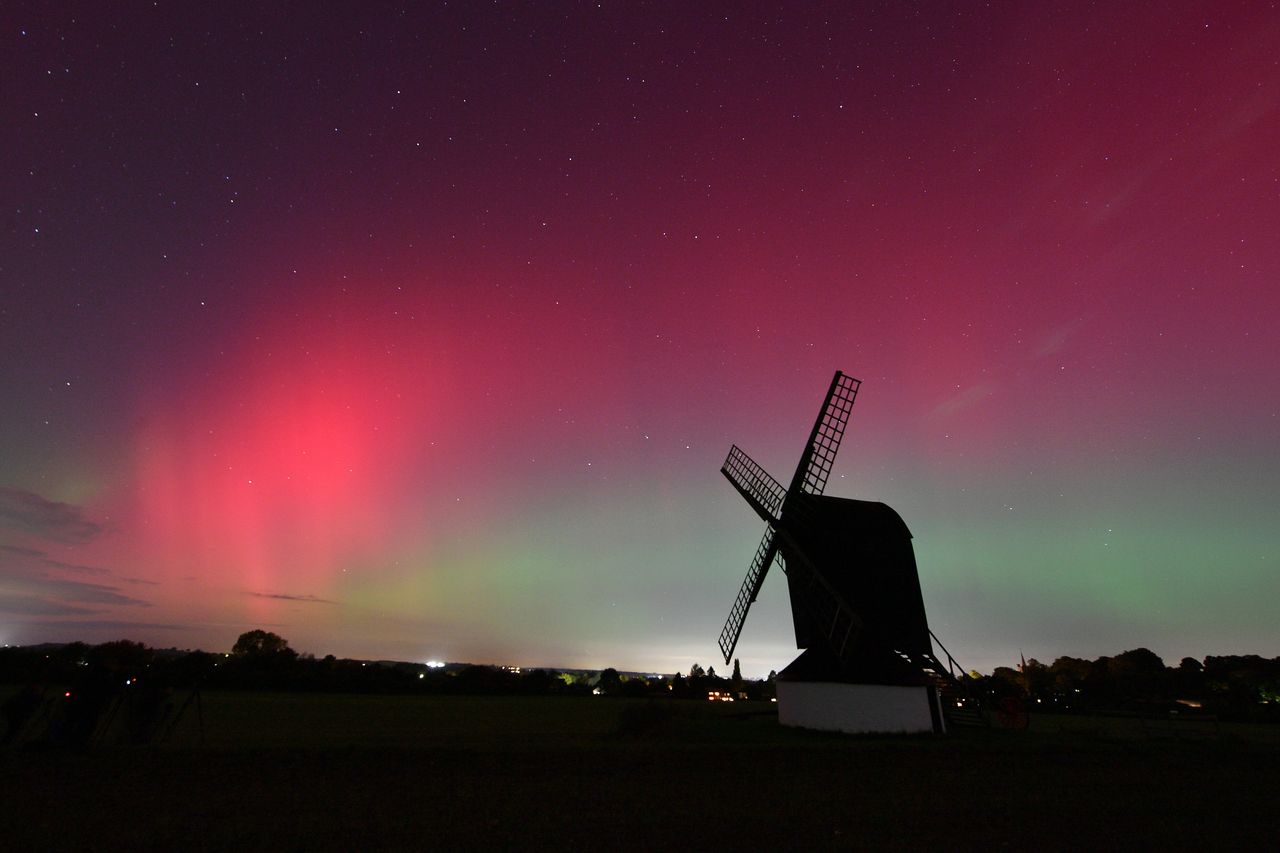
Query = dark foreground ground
x=316 y=772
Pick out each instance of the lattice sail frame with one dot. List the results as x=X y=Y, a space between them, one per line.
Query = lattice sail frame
x=766 y=552
x=764 y=493
x=767 y=498
x=820 y=454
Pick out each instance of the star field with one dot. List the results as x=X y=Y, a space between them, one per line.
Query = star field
x=422 y=333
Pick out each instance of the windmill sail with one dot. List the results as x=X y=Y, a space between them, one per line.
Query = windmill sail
x=820 y=453
x=768 y=498
x=764 y=493
x=747 y=594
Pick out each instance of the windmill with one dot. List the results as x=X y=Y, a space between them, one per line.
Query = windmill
x=856 y=605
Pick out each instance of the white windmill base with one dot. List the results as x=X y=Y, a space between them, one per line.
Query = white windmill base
x=859 y=708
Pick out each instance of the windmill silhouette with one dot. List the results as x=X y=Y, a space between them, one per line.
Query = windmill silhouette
x=868 y=663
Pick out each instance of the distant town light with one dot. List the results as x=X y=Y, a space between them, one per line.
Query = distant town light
x=435 y=664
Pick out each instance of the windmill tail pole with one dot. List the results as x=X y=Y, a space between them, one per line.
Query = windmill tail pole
x=952 y=663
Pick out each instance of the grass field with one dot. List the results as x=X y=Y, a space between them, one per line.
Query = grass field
x=307 y=771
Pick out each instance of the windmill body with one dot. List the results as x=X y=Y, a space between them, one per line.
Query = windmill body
x=856 y=604
x=863 y=549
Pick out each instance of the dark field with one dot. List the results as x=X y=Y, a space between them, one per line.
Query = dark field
x=393 y=772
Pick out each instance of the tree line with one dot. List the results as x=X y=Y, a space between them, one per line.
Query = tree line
x=1242 y=687
x=261 y=660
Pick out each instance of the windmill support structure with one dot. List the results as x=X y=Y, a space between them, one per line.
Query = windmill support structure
x=868 y=663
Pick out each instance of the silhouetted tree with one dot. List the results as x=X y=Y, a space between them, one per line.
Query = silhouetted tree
x=1068 y=676
x=259 y=644
x=610 y=682
x=1242 y=686
x=120 y=656
x=1006 y=681
x=635 y=687
x=538 y=681
x=1038 y=681
x=1188 y=679
x=1099 y=682
x=75 y=653
x=1138 y=674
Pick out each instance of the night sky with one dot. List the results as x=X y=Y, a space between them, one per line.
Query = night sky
x=422 y=333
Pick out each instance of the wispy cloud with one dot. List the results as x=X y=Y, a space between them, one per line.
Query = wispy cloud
x=1056 y=339
x=59 y=590
x=15 y=551
x=100 y=625
x=1053 y=341
x=28 y=575
x=32 y=514
x=309 y=599
x=34 y=563
x=78 y=591
x=74 y=567
x=962 y=400
x=34 y=605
